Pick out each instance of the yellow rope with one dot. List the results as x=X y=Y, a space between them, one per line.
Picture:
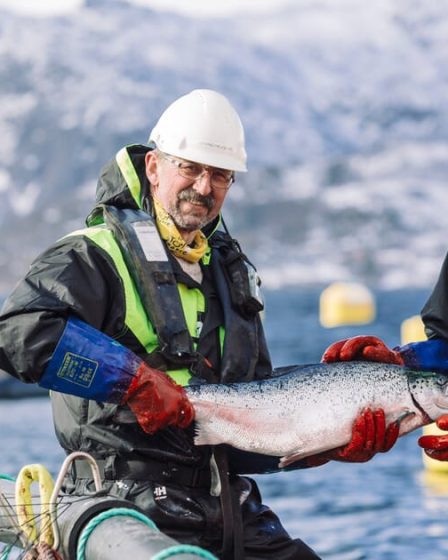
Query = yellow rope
x=24 y=503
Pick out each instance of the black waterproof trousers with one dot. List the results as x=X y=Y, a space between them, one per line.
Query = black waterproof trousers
x=191 y=515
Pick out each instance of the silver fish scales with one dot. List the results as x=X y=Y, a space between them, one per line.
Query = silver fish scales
x=311 y=408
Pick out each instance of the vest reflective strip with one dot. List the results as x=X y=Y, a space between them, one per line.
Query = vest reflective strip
x=129 y=173
x=193 y=301
x=134 y=312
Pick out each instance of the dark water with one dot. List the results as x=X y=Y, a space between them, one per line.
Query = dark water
x=388 y=509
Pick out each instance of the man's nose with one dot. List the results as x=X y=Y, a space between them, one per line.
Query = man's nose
x=203 y=183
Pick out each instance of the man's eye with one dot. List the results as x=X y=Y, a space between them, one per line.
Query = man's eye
x=191 y=168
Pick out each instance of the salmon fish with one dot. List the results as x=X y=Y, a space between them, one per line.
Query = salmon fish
x=311 y=408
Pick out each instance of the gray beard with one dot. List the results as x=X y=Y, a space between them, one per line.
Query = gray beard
x=182 y=222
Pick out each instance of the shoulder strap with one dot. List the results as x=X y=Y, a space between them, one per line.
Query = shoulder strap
x=148 y=264
x=242 y=277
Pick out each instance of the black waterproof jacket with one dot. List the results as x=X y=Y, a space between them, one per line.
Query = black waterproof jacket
x=75 y=277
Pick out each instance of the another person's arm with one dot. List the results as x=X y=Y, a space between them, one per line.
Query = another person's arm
x=428 y=355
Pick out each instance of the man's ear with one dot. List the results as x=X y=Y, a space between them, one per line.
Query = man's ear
x=152 y=168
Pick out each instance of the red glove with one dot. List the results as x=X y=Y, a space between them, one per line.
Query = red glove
x=157 y=401
x=364 y=348
x=436 y=446
x=369 y=436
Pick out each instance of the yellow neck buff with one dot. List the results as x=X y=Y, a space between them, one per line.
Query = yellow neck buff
x=175 y=243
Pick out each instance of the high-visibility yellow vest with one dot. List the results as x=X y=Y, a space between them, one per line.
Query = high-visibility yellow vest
x=135 y=317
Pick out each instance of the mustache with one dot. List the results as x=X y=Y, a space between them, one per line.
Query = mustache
x=190 y=195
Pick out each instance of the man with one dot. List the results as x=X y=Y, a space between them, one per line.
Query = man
x=428 y=355
x=152 y=296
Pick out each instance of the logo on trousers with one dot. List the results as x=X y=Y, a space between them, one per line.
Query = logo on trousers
x=160 y=492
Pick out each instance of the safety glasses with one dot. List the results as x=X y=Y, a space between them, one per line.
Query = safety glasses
x=219 y=178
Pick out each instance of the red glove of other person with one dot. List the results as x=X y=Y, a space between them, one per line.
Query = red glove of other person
x=369 y=436
x=363 y=348
x=157 y=401
x=436 y=446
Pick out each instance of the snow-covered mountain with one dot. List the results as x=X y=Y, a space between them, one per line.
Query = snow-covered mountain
x=344 y=105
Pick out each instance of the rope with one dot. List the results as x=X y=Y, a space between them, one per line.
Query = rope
x=26 y=521
x=183 y=549
x=162 y=555
x=7 y=477
x=24 y=503
x=42 y=552
x=93 y=523
x=6 y=551
x=59 y=483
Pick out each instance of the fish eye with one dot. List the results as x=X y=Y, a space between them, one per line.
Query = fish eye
x=442 y=380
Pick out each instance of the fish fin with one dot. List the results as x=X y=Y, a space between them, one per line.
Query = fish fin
x=202 y=436
x=211 y=428
x=404 y=415
x=205 y=438
x=289 y=459
x=215 y=425
x=407 y=421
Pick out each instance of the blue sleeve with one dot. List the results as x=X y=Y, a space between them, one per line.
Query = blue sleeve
x=89 y=364
x=428 y=355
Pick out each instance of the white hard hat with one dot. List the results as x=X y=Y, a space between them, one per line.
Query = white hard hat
x=203 y=127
